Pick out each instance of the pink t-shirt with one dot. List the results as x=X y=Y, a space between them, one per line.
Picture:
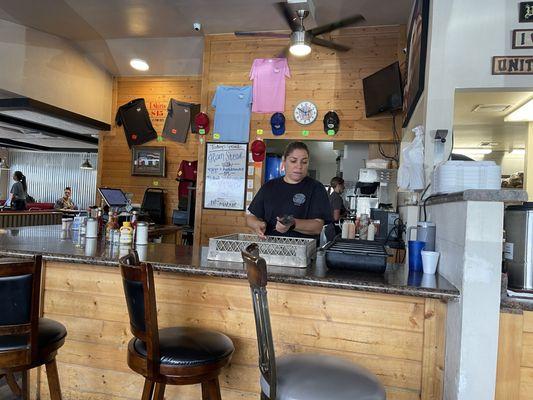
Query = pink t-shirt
x=268 y=76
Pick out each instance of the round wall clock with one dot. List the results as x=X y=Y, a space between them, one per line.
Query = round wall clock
x=305 y=112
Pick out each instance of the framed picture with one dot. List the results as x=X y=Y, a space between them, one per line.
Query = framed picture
x=523 y=39
x=225 y=176
x=147 y=161
x=417 y=38
x=525 y=11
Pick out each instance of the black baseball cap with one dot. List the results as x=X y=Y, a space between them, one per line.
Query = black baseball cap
x=331 y=123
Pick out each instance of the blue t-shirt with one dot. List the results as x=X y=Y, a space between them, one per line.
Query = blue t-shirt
x=233 y=106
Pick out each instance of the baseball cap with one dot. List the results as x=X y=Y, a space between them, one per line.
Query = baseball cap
x=201 y=121
x=331 y=123
x=258 y=149
x=277 y=121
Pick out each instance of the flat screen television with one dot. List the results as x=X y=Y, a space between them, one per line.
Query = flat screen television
x=383 y=90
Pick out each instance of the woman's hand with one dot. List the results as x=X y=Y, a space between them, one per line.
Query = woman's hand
x=260 y=229
x=280 y=227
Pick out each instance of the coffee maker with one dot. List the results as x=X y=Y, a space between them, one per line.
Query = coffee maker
x=379 y=184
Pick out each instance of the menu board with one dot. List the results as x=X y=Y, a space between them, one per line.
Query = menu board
x=225 y=175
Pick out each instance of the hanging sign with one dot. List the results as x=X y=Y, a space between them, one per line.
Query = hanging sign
x=512 y=65
x=523 y=39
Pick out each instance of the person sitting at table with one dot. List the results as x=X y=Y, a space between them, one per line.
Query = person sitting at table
x=65 y=202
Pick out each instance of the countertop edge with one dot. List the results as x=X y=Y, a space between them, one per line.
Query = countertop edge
x=194 y=271
x=501 y=195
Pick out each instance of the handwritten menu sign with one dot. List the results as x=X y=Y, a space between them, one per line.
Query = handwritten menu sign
x=225 y=175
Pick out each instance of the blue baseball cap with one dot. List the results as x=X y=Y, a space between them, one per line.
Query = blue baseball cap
x=278 y=123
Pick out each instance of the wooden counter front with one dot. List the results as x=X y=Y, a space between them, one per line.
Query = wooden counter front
x=399 y=338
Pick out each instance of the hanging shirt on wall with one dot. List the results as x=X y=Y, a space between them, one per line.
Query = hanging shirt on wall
x=233 y=111
x=268 y=76
x=180 y=116
x=136 y=121
x=186 y=175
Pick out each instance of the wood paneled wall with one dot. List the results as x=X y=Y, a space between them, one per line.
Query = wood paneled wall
x=514 y=379
x=114 y=164
x=332 y=80
x=399 y=338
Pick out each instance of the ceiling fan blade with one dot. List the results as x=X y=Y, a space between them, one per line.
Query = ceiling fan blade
x=331 y=45
x=288 y=15
x=264 y=34
x=350 y=21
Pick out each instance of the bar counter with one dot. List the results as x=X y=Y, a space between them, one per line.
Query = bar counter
x=67 y=246
x=392 y=324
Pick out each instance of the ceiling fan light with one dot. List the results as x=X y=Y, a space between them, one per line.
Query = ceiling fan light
x=300 y=44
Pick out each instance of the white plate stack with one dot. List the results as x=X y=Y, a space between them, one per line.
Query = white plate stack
x=457 y=176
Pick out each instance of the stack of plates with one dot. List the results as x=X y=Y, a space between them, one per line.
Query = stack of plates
x=458 y=176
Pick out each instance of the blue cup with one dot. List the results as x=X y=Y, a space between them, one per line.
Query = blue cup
x=415 y=255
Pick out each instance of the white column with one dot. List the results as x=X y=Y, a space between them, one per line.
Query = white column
x=469 y=237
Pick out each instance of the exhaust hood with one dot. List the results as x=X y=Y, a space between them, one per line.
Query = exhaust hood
x=25 y=114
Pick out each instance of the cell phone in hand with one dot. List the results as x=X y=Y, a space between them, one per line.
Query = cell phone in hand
x=287 y=220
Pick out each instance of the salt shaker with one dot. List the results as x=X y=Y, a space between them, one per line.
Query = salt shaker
x=320 y=266
x=141 y=233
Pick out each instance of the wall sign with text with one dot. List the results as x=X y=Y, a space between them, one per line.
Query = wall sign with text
x=526 y=11
x=523 y=39
x=512 y=65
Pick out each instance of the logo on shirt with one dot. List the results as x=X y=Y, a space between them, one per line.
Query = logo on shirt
x=298 y=199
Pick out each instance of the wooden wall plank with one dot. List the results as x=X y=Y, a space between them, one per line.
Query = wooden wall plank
x=528 y=321
x=509 y=355
x=332 y=80
x=526 y=384
x=92 y=364
x=114 y=154
x=433 y=351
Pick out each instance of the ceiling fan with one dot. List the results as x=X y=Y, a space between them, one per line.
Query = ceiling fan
x=300 y=38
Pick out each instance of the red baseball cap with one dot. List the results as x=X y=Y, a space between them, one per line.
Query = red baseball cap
x=201 y=120
x=258 y=149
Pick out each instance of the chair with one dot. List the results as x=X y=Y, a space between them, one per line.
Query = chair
x=26 y=341
x=301 y=376
x=154 y=205
x=169 y=356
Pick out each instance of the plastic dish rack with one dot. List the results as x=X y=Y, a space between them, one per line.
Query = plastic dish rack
x=276 y=250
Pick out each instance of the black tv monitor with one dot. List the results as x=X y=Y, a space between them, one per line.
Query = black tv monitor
x=383 y=90
x=113 y=197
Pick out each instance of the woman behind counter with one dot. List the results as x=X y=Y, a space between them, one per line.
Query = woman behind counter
x=19 y=191
x=294 y=205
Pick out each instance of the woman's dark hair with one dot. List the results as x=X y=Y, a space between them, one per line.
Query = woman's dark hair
x=335 y=181
x=295 y=146
x=19 y=176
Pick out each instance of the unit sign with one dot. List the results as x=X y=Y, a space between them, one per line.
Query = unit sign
x=523 y=39
x=512 y=65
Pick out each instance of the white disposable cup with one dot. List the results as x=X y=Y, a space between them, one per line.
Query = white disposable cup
x=430 y=259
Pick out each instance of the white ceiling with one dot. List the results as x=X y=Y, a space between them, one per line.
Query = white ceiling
x=473 y=128
x=160 y=31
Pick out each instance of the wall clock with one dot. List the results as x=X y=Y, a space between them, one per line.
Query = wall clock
x=305 y=112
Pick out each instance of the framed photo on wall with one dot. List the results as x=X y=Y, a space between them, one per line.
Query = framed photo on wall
x=417 y=38
x=147 y=161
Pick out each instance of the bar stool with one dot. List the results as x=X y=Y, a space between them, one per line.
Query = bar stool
x=174 y=356
x=301 y=376
x=26 y=341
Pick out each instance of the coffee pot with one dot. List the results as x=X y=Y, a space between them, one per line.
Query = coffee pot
x=425 y=232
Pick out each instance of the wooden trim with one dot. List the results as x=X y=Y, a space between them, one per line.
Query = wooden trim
x=509 y=357
x=432 y=386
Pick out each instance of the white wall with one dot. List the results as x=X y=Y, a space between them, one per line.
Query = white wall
x=50 y=69
x=463 y=37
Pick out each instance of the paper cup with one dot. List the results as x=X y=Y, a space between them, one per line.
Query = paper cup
x=430 y=260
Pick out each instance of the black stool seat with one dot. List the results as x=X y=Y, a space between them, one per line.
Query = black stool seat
x=317 y=377
x=51 y=334
x=189 y=346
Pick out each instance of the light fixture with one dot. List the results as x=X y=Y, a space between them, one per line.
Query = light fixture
x=86 y=164
x=3 y=164
x=139 y=65
x=522 y=113
x=518 y=152
x=473 y=152
x=300 y=41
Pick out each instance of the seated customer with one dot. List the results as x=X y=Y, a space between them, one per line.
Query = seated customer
x=65 y=202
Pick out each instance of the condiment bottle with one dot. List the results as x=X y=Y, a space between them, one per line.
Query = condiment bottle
x=371 y=231
x=126 y=233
